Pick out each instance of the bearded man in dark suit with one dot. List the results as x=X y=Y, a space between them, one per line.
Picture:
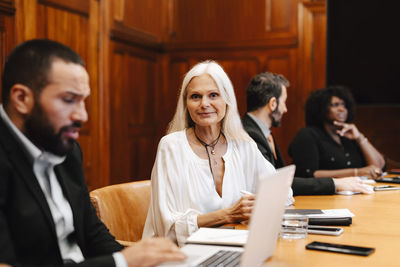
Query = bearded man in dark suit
x=46 y=217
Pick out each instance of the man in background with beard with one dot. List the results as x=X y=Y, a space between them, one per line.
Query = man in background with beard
x=266 y=97
x=46 y=218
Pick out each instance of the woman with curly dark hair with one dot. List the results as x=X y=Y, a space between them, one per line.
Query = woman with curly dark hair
x=331 y=145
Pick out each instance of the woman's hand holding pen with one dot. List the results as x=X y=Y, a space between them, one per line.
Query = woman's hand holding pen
x=241 y=210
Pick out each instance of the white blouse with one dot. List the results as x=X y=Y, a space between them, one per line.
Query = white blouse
x=183 y=186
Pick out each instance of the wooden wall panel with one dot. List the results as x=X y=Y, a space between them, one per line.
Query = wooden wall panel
x=7 y=36
x=133 y=112
x=144 y=15
x=75 y=6
x=312 y=44
x=139 y=22
x=202 y=23
x=56 y=24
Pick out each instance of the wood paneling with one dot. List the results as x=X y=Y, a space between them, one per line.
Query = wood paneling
x=56 y=24
x=78 y=6
x=234 y=20
x=145 y=16
x=312 y=44
x=139 y=23
x=7 y=39
x=7 y=7
x=133 y=123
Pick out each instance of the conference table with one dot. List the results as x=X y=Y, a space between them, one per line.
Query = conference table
x=376 y=224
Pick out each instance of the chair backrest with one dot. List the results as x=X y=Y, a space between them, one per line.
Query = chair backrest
x=123 y=208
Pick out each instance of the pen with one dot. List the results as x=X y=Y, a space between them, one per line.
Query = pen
x=380 y=173
x=244 y=192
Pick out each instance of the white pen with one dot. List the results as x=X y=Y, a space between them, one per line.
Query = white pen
x=244 y=192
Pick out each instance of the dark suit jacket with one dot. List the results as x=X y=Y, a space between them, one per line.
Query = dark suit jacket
x=27 y=231
x=300 y=186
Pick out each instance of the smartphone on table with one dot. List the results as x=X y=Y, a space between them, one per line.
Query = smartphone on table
x=339 y=248
x=386 y=187
x=324 y=230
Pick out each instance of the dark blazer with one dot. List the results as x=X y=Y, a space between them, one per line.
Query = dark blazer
x=256 y=133
x=27 y=231
x=300 y=186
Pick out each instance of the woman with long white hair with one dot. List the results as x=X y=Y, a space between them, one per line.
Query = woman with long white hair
x=205 y=161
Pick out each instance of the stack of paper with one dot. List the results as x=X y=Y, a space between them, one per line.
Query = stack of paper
x=215 y=236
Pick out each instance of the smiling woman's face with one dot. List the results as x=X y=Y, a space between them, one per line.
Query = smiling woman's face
x=204 y=101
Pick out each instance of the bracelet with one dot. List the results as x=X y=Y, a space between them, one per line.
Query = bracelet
x=362 y=139
x=355 y=172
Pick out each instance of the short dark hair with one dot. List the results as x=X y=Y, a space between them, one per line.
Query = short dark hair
x=262 y=88
x=317 y=104
x=30 y=62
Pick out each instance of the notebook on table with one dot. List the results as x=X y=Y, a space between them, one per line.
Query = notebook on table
x=218 y=236
x=263 y=233
x=331 y=217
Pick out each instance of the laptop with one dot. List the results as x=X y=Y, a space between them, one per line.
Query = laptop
x=264 y=228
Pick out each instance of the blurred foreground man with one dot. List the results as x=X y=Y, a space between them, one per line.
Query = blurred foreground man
x=266 y=103
x=46 y=218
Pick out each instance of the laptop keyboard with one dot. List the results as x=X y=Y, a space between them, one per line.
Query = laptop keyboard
x=222 y=258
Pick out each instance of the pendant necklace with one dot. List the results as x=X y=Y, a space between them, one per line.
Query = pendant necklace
x=212 y=146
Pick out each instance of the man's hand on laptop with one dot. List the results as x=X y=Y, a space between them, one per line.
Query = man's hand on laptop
x=151 y=252
x=353 y=184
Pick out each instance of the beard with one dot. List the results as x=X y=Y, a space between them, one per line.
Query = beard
x=276 y=118
x=43 y=134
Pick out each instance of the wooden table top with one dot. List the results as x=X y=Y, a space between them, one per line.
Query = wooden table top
x=376 y=224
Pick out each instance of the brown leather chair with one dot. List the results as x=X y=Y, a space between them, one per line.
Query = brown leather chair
x=123 y=208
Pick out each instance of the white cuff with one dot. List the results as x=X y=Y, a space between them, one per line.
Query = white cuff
x=290 y=199
x=185 y=225
x=119 y=260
